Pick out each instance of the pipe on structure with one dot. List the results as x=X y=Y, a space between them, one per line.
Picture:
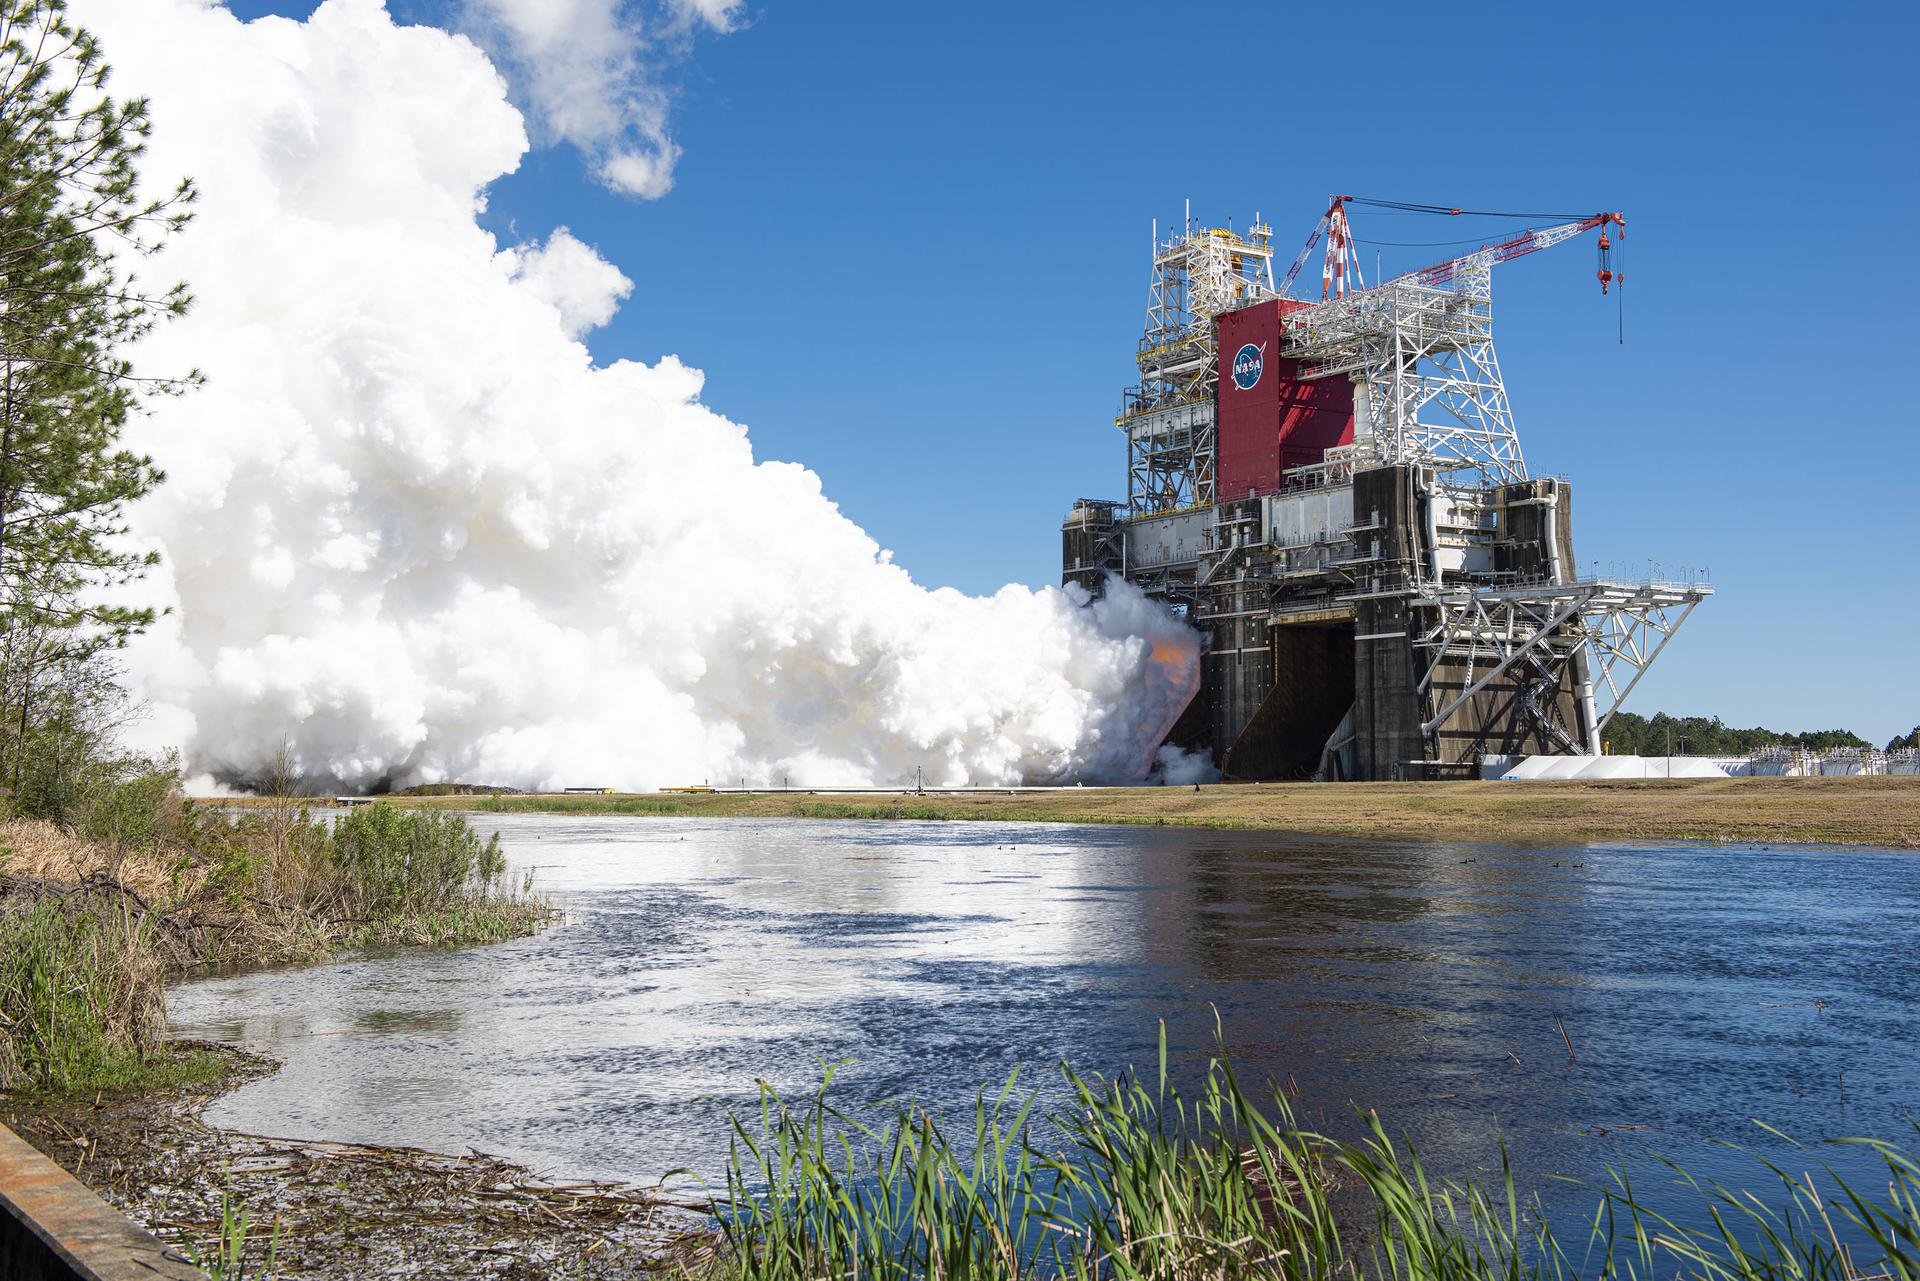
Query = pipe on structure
x=1582 y=669
x=1587 y=708
x=1362 y=416
x=1552 y=534
x=1433 y=534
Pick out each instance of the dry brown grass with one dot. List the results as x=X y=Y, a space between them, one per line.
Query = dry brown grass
x=1833 y=811
x=45 y=851
x=190 y=923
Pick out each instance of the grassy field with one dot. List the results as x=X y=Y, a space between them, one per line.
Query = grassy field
x=1844 y=811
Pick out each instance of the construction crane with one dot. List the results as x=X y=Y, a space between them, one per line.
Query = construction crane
x=1341 y=264
x=1442 y=274
x=1419 y=346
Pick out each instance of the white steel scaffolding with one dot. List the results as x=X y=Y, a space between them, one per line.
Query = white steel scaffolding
x=1198 y=273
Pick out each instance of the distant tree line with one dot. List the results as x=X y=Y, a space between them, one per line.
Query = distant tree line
x=1663 y=735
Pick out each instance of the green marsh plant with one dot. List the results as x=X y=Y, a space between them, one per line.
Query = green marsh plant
x=1132 y=1180
x=80 y=1000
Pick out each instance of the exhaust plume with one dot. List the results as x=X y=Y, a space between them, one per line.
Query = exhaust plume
x=413 y=532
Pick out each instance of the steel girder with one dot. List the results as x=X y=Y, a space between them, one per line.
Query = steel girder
x=1197 y=274
x=1170 y=457
x=1615 y=629
x=1427 y=377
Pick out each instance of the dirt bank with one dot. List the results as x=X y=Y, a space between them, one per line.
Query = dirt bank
x=93 y=931
x=346 y=1211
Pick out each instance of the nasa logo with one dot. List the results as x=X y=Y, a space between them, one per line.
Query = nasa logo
x=1247 y=365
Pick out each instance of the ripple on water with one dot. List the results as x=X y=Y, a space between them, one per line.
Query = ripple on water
x=700 y=957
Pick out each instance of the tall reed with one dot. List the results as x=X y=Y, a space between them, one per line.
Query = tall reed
x=1132 y=1181
x=80 y=998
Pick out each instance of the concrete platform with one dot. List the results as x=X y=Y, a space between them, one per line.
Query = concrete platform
x=53 y=1229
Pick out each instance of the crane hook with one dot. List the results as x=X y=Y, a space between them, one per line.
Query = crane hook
x=1606 y=272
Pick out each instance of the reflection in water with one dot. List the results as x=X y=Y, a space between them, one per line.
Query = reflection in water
x=1420 y=980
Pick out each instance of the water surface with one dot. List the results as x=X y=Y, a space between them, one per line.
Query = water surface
x=1700 y=987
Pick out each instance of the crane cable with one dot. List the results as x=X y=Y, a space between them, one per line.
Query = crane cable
x=1606 y=274
x=1621 y=298
x=1451 y=212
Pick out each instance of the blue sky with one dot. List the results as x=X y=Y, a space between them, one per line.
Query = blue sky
x=907 y=244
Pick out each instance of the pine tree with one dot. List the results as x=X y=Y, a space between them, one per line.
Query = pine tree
x=72 y=218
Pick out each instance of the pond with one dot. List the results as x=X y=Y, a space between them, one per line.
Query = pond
x=1587 y=1004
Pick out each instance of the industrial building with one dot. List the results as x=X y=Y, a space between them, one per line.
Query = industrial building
x=1333 y=492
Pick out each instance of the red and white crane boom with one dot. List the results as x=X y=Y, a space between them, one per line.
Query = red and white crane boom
x=1340 y=272
x=1419 y=347
x=1442 y=274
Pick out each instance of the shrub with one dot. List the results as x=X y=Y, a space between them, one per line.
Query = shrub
x=281 y=854
x=393 y=861
x=132 y=814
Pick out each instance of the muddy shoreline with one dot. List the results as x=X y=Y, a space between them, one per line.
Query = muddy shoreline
x=326 y=1210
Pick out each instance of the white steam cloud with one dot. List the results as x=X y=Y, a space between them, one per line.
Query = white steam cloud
x=583 y=67
x=412 y=531
x=584 y=288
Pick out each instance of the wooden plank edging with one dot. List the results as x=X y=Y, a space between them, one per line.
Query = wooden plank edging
x=52 y=1228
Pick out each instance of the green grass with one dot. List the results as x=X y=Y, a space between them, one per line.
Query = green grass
x=577 y=805
x=490 y=920
x=839 y=809
x=1876 y=811
x=80 y=1009
x=165 y=1069
x=231 y=1257
x=931 y=812
x=938 y=814
x=155 y=1071
x=80 y=1000
x=1134 y=1182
